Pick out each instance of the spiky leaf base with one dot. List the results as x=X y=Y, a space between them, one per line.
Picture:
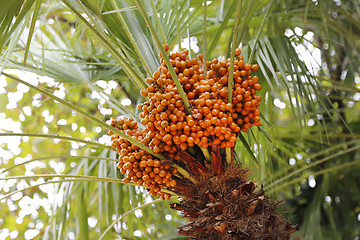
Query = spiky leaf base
x=227 y=206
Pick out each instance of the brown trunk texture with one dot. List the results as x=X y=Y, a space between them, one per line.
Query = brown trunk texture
x=228 y=206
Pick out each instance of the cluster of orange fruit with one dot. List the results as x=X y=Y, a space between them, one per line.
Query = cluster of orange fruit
x=168 y=128
x=213 y=119
x=141 y=167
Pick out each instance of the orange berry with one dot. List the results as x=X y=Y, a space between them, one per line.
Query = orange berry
x=241 y=64
x=216 y=141
x=183 y=146
x=167 y=138
x=183 y=138
x=173 y=183
x=149 y=80
x=205 y=109
x=128 y=166
x=162 y=173
x=258 y=124
x=256 y=119
x=255 y=67
x=232 y=139
x=257 y=87
x=144 y=93
x=156 y=149
x=190 y=140
x=143 y=164
x=156 y=75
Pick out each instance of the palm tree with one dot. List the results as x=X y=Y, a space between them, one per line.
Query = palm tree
x=96 y=53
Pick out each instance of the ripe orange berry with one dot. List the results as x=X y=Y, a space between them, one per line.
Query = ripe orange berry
x=255 y=67
x=247 y=67
x=183 y=146
x=173 y=183
x=167 y=138
x=241 y=64
x=156 y=75
x=257 y=87
x=156 y=149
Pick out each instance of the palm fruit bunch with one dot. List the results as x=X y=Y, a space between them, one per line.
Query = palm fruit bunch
x=141 y=167
x=188 y=156
x=213 y=119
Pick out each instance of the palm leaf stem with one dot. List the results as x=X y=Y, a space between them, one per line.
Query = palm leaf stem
x=184 y=173
x=259 y=31
x=58 y=137
x=231 y=73
x=89 y=116
x=178 y=35
x=132 y=40
x=162 y=35
x=32 y=27
x=165 y=56
x=206 y=154
x=204 y=40
x=60 y=157
x=232 y=54
x=98 y=180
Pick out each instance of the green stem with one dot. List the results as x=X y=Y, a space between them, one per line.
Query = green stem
x=162 y=35
x=165 y=56
x=206 y=154
x=168 y=191
x=231 y=72
x=184 y=173
x=259 y=31
x=245 y=21
x=58 y=137
x=177 y=24
x=232 y=56
x=89 y=116
x=31 y=29
x=188 y=29
x=61 y=157
x=228 y=155
x=90 y=178
x=263 y=130
x=50 y=182
x=132 y=40
x=204 y=40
